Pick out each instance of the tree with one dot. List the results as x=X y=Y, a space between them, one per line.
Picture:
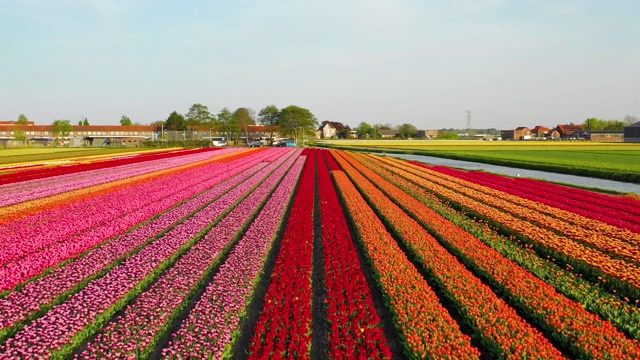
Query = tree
x=20 y=135
x=365 y=130
x=344 y=133
x=407 y=131
x=269 y=116
x=628 y=120
x=125 y=121
x=175 y=122
x=199 y=115
x=226 y=122
x=448 y=136
x=85 y=122
x=22 y=120
x=61 y=129
x=386 y=126
x=242 y=119
x=79 y=122
x=595 y=124
x=297 y=121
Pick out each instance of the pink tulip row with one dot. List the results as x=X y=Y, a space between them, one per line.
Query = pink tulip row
x=33 y=189
x=567 y=202
x=20 y=305
x=51 y=255
x=60 y=328
x=149 y=317
x=120 y=207
x=207 y=331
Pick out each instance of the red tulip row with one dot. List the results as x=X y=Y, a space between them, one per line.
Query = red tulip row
x=68 y=325
x=40 y=173
x=502 y=331
x=565 y=202
x=581 y=332
x=41 y=293
x=284 y=326
x=147 y=320
x=355 y=330
x=424 y=324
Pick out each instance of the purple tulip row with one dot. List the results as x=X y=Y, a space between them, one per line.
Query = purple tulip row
x=20 y=305
x=52 y=254
x=61 y=224
x=77 y=318
x=149 y=317
x=33 y=189
x=208 y=329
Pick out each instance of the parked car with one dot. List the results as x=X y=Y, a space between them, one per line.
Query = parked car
x=255 y=144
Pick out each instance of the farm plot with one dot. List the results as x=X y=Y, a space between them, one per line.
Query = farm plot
x=283 y=253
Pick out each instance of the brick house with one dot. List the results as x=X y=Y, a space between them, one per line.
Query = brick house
x=520 y=133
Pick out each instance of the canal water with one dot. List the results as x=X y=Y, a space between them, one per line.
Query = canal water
x=535 y=174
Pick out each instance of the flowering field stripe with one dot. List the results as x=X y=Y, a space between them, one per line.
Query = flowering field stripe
x=21 y=210
x=103 y=217
x=584 y=258
x=144 y=322
x=210 y=330
x=37 y=297
x=284 y=325
x=582 y=333
x=65 y=327
x=606 y=237
x=355 y=329
x=605 y=214
x=425 y=326
x=497 y=326
x=591 y=296
x=26 y=268
x=30 y=190
x=94 y=164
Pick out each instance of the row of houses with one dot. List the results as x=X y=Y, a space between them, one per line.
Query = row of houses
x=563 y=132
x=115 y=135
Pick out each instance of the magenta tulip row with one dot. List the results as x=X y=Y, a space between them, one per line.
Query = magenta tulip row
x=568 y=202
x=207 y=331
x=19 y=305
x=34 y=189
x=120 y=207
x=52 y=253
x=149 y=317
x=58 y=329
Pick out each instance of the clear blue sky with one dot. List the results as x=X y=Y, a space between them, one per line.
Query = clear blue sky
x=382 y=61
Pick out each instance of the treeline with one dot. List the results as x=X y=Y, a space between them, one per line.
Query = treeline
x=291 y=121
x=595 y=124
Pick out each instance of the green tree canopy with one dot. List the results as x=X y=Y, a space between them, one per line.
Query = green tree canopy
x=199 y=115
x=22 y=120
x=269 y=115
x=364 y=130
x=407 y=131
x=125 y=121
x=595 y=124
x=297 y=121
x=226 y=122
x=61 y=128
x=242 y=118
x=175 y=122
x=448 y=136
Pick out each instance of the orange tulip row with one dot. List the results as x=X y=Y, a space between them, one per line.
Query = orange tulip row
x=618 y=243
x=588 y=226
x=498 y=325
x=617 y=268
x=425 y=325
x=566 y=319
x=33 y=207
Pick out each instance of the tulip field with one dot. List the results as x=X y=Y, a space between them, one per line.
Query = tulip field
x=289 y=253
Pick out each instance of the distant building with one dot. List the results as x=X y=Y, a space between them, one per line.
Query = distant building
x=571 y=131
x=520 y=133
x=539 y=131
x=607 y=136
x=429 y=134
x=388 y=134
x=326 y=131
x=632 y=133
